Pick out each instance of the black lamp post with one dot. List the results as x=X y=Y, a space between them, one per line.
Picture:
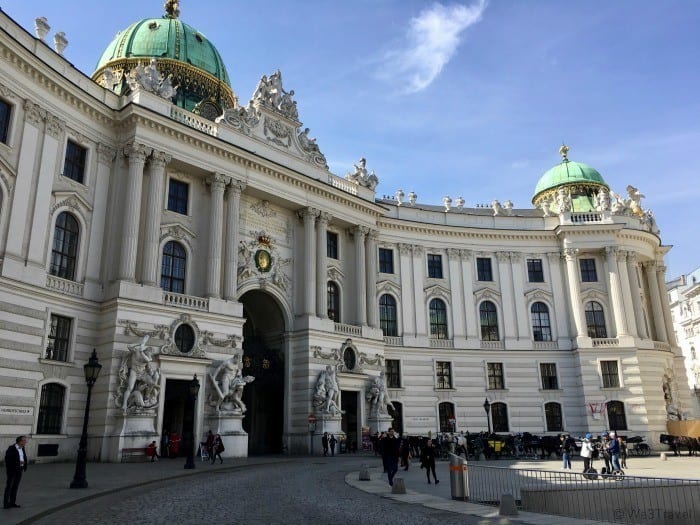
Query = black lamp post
x=92 y=370
x=487 y=409
x=194 y=390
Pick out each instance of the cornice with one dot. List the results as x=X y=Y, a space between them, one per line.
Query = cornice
x=464 y=232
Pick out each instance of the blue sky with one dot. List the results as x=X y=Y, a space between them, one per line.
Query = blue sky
x=462 y=98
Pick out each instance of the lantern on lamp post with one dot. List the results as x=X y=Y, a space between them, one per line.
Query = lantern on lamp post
x=193 y=391
x=487 y=409
x=92 y=371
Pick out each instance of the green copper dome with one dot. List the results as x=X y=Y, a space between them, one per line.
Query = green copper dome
x=180 y=51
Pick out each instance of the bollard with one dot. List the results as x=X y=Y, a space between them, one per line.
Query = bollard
x=663 y=456
x=399 y=487
x=457 y=474
x=507 y=506
x=364 y=473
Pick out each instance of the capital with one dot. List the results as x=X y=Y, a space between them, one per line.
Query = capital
x=236 y=186
x=373 y=235
x=660 y=268
x=136 y=152
x=105 y=154
x=308 y=214
x=554 y=256
x=362 y=231
x=404 y=249
x=503 y=256
x=649 y=265
x=466 y=255
x=418 y=250
x=54 y=126
x=159 y=159
x=632 y=257
x=324 y=217
x=570 y=253
x=516 y=256
x=453 y=253
x=611 y=252
x=33 y=112
x=217 y=181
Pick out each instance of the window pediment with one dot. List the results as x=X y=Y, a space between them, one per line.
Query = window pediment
x=437 y=290
x=486 y=293
x=72 y=200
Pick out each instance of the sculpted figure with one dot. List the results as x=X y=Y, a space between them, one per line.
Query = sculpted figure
x=135 y=369
x=617 y=204
x=287 y=105
x=635 y=201
x=563 y=201
x=262 y=91
x=361 y=170
x=327 y=393
x=275 y=90
x=602 y=201
x=546 y=209
x=307 y=143
x=497 y=208
x=378 y=397
x=229 y=382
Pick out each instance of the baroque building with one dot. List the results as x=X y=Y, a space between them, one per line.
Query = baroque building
x=147 y=214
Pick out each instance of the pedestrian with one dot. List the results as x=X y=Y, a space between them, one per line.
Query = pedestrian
x=565 y=449
x=587 y=452
x=613 y=449
x=427 y=460
x=604 y=444
x=390 y=454
x=324 y=443
x=15 y=463
x=210 y=445
x=405 y=453
x=152 y=451
x=331 y=442
x=164 y=445
x=217 y=448
x=623 y=452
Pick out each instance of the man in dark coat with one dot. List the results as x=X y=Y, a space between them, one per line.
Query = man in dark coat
x=324 y=443
x=427 y=460
x=390 y=454
x=15 y=463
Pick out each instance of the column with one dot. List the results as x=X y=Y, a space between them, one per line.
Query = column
x=408 y=313
x=468 y=289
x=665 y=308
x=636 y=295
x=419 y=265
x=321 y=264
x=154 y=210
x=360 y=232
x=507 y=299
x=232 y=219
x=518 y=280
x=217 y=182
x=105 y=158
x=575 y=291
x=137 y=154
x=611 y=253
x=627 y=294
x=560 y=309
x=309 y=215
x=371 y=276
x=456 y=292
x=655 y=300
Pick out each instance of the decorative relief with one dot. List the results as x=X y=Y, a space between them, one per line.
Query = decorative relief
x=377 y=360
x=538 y=294
x=259 y=258
x=33 y=112
x=437 y=291
x=5 y=92
x=487 y=294
x=74 y=202
x=170 y=348
x=417 y=250
x=177 y=232
x=263 y=209
x=230 y=341
x=335 y=274
x=388 y=286
x=243 y=119
x=105 y=154
x=54 y=126
x=277 y=132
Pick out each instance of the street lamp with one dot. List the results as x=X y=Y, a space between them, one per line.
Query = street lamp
x=487 y=409
x=194 y=390
x=92 y=370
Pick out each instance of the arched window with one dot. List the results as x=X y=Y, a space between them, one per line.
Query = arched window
x=499 y=417
x=489 y=321
x=616 y=415
x=438 y=319
x=446 y=411
x=387 y=316
x=541 y=329
x=595 y=320
x=333 y=301
x=51 y=409
x=173 y=268
x=64 y=253
x=397 y=414
x=552 y=413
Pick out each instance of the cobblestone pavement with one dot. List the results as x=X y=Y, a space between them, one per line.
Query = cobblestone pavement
x=305 y=491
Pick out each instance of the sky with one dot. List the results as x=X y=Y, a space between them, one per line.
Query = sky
x=469 y=98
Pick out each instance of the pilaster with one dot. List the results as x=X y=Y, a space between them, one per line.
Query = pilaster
x=217 y=182
x=467 y=268
x=322 y=264
x=408 y=314
x=655 y=299
x=371 y=277
x=137 y=154
x=308 y=215
x=235 y=189
x=575 y=291
x=359 y=233
x=615 y=287
x=154 y=211
x=457 y=294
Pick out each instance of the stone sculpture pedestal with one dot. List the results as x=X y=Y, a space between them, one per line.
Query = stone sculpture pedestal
x=235 y=439
x=329 y=423
x=138 y=429
x=380 y=423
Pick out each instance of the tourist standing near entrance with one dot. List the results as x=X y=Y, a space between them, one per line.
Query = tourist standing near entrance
x=427 y=460
x=15 y=463
x=324 y=443
x=390 y=454
x=332 y=441
x=587 y=452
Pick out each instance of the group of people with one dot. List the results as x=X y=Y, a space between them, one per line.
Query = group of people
x=611 y=447
x=328 y=441
x=398 y=451
x=214 y=446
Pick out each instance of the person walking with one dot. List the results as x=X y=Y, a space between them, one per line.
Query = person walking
x=427 y=460
x=587 y=452
x=331 y=442
x=623 y=452
x=613 y=448
x=217 y=448
x=565 y=449
x=15 y=464
x=152 y=451
x=390 y=454
x=210 y=445
x=405 y=453
x=324 y=443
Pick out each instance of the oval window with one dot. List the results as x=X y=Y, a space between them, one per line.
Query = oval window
x=184 y=338
x=349 y=359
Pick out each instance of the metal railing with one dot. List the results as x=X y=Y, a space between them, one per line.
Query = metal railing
x=628 y=499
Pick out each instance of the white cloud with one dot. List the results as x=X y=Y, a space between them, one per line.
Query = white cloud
x=431 y=41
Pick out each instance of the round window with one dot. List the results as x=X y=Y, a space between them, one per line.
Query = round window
x=184 y=338
x=349 y=359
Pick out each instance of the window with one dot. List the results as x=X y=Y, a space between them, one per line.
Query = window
x=5 y=114
x=387 y=316
x=611 y=377
x=59 y=338
x=483 y=269
x=333 y=301
x=588 y=273
x=74 y=165
x=349 y=359
x=443 y=371
x=552 y=414
x=65 y=246
x=393 y=373
x=534 y=271
x=184 y=338
x=434 y=266
x=51 y=409
x=173 y=268
x=438 y=319
x=489 y=321
x=541 y=329
x=446 y=412
x=178 y=194
x=499 y=417
x=397 y=414
x=548 y=373
x=332 y=245
x=495 y=376
x=595 y=320
x=616 y=415
x=386 y=260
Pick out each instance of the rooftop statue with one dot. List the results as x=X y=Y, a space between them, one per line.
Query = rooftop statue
x=361 y=177
x=148 y=78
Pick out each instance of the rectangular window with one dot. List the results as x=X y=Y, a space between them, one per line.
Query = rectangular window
x=483 y=269
x=548 y=372
x=434 y=266
x=534 y=271
x=74 y=166
x=611 y=377
x=178 y=194
x=5 y=114
x=386 y=260
x=495 y=376
x=332 y=245
x=59 y=338
x=443 y=371
x=588 y=273
x=393 y=374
